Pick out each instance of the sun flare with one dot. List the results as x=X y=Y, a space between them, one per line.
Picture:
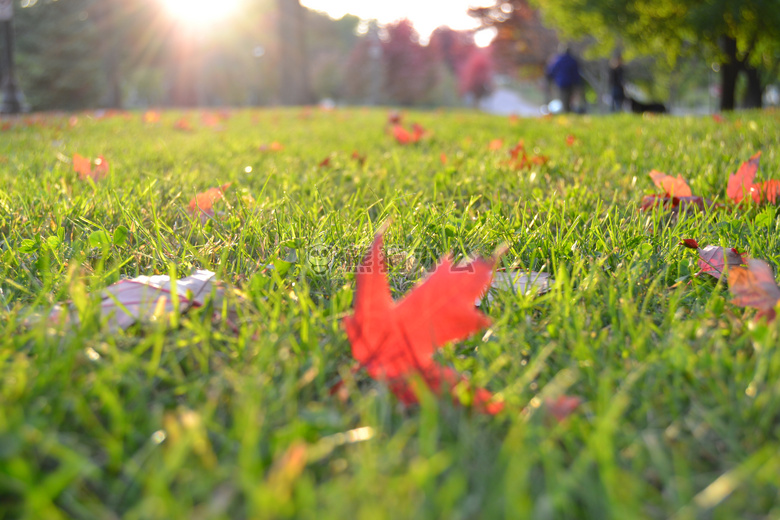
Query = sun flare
x=200 y=12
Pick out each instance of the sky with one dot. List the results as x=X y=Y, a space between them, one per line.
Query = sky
x=426 y=15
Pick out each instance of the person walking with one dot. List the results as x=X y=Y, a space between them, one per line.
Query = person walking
x=564 y=70
x=616 y=89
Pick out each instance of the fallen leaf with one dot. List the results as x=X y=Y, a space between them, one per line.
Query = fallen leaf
x=183 y=124
x=519 y=159
x=519 y=282
x=394 y=117
x=677 y=204
x=210 y=119
x=151 y=116
x=755 y=286
x=101 y=168
x=741 y=183
x=147 y=297
x=713 y=260
x=770 y=190
x=204 y=202
x=496 y=144
x=404 y=136
x=395 y=341
x=358 y=157
x=82 y=166
x=562 y=406
x=275 y=146
x=517 y=149
x=672 y=186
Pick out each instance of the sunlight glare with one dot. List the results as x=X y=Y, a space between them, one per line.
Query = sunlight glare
x=201 y=12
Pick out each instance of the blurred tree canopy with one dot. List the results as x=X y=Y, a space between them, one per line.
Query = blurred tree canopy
x=132 y=53
x=522 y=43
x=741 y=36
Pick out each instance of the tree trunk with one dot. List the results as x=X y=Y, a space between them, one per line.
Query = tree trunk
x=754 y=95
x=729 y=70
x=107 y=23
x=184 y=69
x=11 y=98
x=293 y=62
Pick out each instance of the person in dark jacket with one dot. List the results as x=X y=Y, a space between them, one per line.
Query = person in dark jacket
x=565 y=72
x=616 y=90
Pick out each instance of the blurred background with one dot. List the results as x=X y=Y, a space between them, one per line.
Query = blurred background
x=694 y=56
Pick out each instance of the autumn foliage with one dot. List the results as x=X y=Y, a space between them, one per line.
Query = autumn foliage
x=395 y=341
x=741 y=184
x=88 y=169
x=204 y=202
x=755 y=286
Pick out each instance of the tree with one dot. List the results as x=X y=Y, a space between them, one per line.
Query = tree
x=452 y=47
x=742 y=36
x=293 y=59
x=408 y=70
x=58 y=64
x=329 y=43
x=476 y=75
x=522 y=41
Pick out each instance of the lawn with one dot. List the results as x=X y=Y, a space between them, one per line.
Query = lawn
x=187 y=416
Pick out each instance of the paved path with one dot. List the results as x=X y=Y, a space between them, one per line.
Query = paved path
x=504 y=101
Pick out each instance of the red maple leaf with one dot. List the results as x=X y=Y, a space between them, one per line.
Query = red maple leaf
x=183 y=124
x=82 y=166
x=677 y=195
x=741 y=183
x=755 y=286
x=519 y=159
x=404 y=136
x=771 y=190
x=395 y=341
x=151 y=116
x=275 y=146
x=394 y=117
x=210 y=119
x=672 y=186
x=401 y=134
x=101 y=168
x=495 y=144
x=204 y=202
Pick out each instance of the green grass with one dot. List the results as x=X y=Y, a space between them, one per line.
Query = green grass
x=184 y=418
